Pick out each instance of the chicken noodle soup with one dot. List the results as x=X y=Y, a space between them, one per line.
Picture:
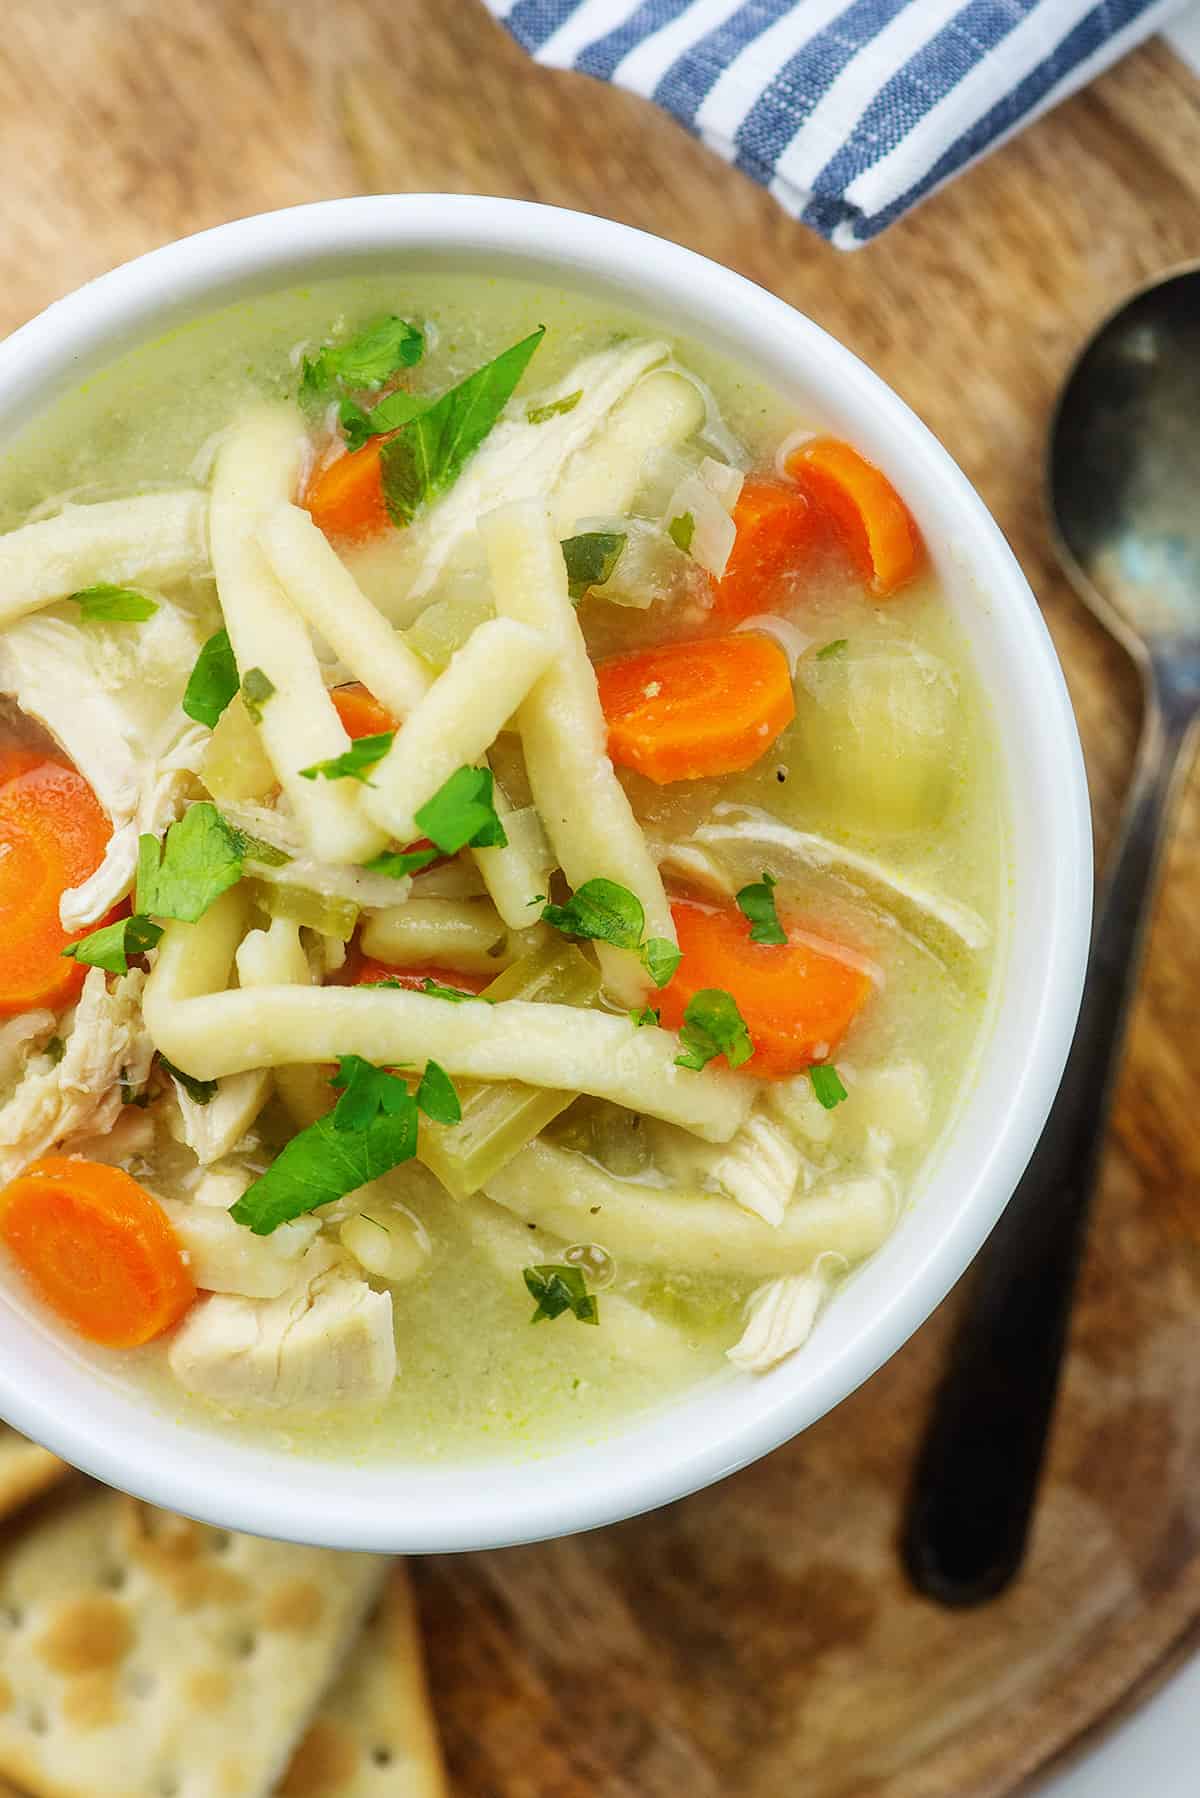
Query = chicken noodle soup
x=501 y=865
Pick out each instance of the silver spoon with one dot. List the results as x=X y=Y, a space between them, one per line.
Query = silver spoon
x=1124 y=502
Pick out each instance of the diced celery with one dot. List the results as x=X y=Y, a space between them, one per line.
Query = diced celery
x=500 y=1117
x=319 y=911
x=234 y=765
x=445 y=625
x=877 y=743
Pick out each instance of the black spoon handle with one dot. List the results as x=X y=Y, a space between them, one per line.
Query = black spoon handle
x=977 y=1472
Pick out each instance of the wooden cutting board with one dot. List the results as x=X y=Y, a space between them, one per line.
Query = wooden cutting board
x=758 y=1640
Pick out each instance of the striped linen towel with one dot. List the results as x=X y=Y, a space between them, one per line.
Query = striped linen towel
x=848 y=111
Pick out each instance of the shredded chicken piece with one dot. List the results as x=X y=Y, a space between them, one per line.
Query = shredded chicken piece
x=760 y=1168
x=107 y=1048
x=782 y=1314
x=111 y=699
x=19 y=1037
x=326 y=1341
x=214 y=1129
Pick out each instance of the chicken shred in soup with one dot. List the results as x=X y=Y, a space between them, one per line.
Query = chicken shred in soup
x=502 y=865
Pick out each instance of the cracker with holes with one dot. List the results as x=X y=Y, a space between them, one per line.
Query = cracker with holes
x=374 y=1736
x=145 y=1656
x=26 y=1470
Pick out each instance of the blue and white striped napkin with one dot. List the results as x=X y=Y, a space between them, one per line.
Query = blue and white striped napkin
x=849 y=111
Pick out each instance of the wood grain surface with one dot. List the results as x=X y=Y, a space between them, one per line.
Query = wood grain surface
x=757 y=1640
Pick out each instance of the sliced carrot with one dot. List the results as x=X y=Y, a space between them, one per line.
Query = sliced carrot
x=360 y=712
x=687 y=710
x=97 y=1248
x=17 y=758
x=872 y=520
x=367 y=973
x=797 y=1001
x=777 y=531
x=345 y=497
x=53 y=835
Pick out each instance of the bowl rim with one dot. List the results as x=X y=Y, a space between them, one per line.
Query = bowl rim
x=662 y=1456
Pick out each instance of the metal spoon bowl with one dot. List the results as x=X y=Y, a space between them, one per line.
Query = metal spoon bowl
x=1124 y=501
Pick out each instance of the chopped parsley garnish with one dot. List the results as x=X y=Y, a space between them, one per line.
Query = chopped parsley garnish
x=106 y=604
x=428 y=452
x=591 y=558
x=757 y=902
x=396 y=863
x=200 y=1092
x=461 y=813
x=559 y=1288
x=454 y=994
x=366 y=1092
x=212 y=682
x=713 y=1025
x=359 y=424
x=436 y=1096
x=367 y=359
x=353 y=763
x=601 y=911
x=257 y=688
x=647 y=1015
x=660 y=958
x=538 y=415
x=321 y=1164
x=827 y=1084
x=681 y=530
x=198 y=859
x=371 y=1129
x=832 y=650
x=111 y=947
x=55 y=1049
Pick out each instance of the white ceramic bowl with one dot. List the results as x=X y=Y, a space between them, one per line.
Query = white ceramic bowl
x=48 y=1391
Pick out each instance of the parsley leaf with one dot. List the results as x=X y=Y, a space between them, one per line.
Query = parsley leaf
x=257 y=688
x=199 y=858
x=455 y=994
x=427 y=454
x=558 y=1289
x=200 y=1092
x=591 y=558
x=648 y=1015
x=106 y=604
x=660 y=958
x=436 y=1096
x=713 y=1025
x=602 y=911
x=365 y=360
x=212 y=682
x=757 y=902
x=366 y=1091
x=398 y=862
x=827 y=1084
x=538 y=415
x=111 y=947
x=461 y=812
x=353 y=763
x=323 y=1163
x=359 y=425
x=681 y=530
x=836 y=648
